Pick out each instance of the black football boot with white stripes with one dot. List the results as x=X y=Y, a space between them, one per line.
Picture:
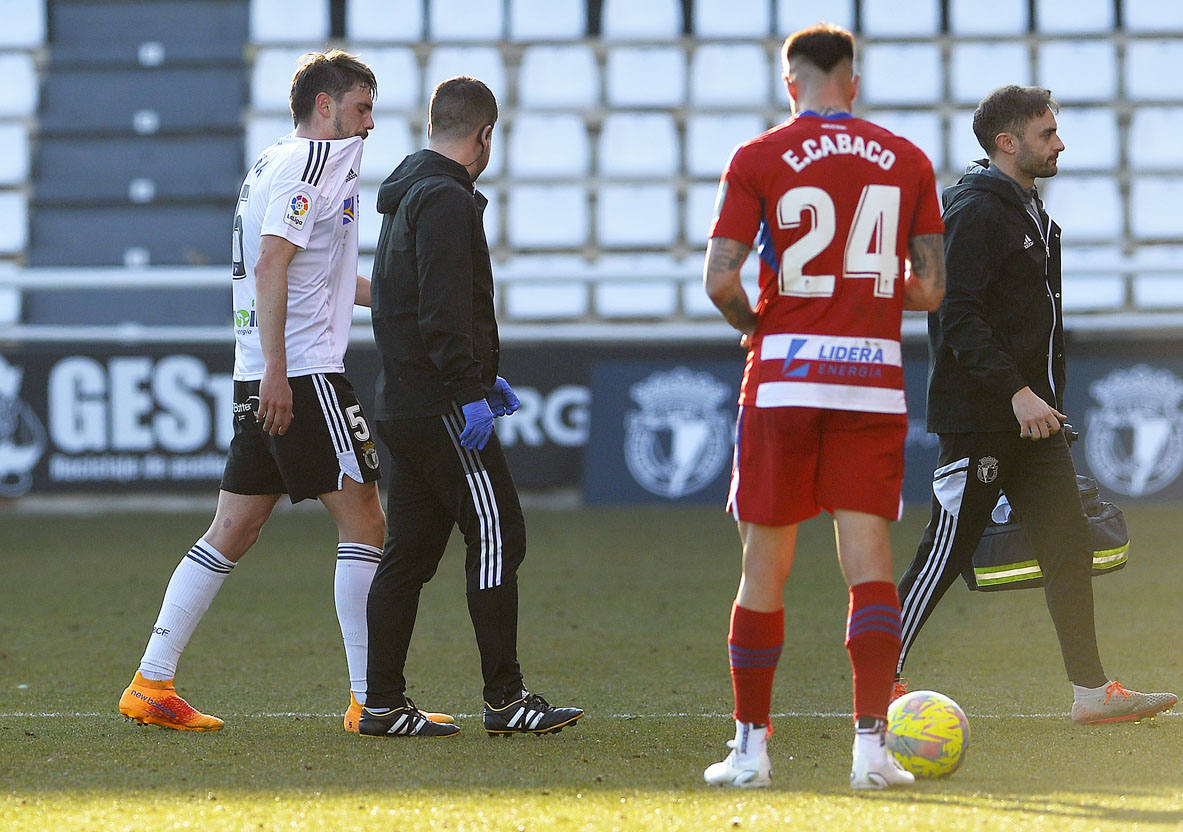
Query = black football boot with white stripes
x=528 y=714
x=407 y=721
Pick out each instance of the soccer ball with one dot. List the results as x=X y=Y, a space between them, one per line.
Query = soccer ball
x=928 y=733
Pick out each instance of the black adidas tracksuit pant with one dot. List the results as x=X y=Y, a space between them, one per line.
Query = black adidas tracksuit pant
x=434 y=486
x=1039 y=481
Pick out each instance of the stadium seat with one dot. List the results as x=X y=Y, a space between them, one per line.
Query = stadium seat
x=368 y=219
x=271 y=79
x=1006 y=17
x=389 y=143
x=464 y=20
x=638 y=145
x=894 y=18
x=397 y=72
x=492 y=222
x=963 y=145
x=902 y=73
x=1154 y=207
x=14 y=153
x=384 y=21
x=1073 y=16
x=637 y=298
x=1154 y=138
x=1093 y=292
x=22 y=88
x=977 y=68
x=159 y=234
x=558 y=77
x=651 y=20
x=1158 y=277
x=1060 y=69
x=637 y=216
x=547 y=216
x=711 y=139
x=1153 y=16
x=162 y=33
x=922 y=128
x=1090 y=137
x=14 y=222
x=1087 y=208
x=483 y=62
x=304 y=22
x=24 y=24
x=551 y=146
x=662 y=68
x=1153 y=69
x=792 y=15
x=261 y=132
x=700 y=210
x=542 y=20
x=721 y=19
x=544 y=287
x=730 y=76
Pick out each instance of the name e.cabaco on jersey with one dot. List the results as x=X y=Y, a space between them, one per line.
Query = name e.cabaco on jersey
x=840 y=144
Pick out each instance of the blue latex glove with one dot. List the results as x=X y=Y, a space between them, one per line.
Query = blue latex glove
x=478 y=425
x=502 y=400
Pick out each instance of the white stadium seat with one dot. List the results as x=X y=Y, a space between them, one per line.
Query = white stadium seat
x=481 y=62
x=290 y=21
x=384 y=21
x=492 y=215
x=638 y=298
x=271 y=78
x=729 y=76
x=1155 y=287
x=1152 y=16
x=700 y=210
x=648 y=20
x=24 y=24
x=551 y=146
x=792 y=15
x=546 y=287
x=1093 y=292
x=547 y=216
x=464 y=20
x=1078 y=70
x=963 y=145
x=1086 y=207
x=534 y=20
x=14 y=222
x=262 y=131
x=388 y=144
x=1154 y=207
x=14 y=153
x=646 y=76
x=1154 y=138
x=901 y=17
x=638 y=145
x=1005 y=17
x=1153 y=69
x=711 y=139
x=1090 y=138
x=731 y=19
x=397 y=72
x=977 y=68
x=922 y=129
x=559 y=77
x=1073 y=16
x=637 y=216
x=21 y=85
x=902 y=74
x=368 y=219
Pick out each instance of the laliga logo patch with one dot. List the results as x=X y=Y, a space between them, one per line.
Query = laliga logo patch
x=678 y=441
x=1134 y=442
x=22 y=436
x=297 y=211
x=987 y=469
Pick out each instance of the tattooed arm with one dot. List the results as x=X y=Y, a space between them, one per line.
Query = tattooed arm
x=721 y=279
x=924 y=289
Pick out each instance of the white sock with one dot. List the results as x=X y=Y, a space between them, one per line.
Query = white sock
x=356 y=565
x=194 y=583
x=750 y=741
x=1089 y=696
x=871 y=741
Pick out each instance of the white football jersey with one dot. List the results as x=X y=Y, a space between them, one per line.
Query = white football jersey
x=305 y=191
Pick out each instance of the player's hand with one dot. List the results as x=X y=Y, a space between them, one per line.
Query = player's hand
x=478 y=425
x=1037 y=419
x=275 y=405
x=502 y=400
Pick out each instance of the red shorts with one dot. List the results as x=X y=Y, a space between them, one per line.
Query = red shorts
x=792 y=462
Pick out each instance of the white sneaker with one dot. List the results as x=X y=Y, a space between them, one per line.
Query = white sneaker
x=874 y=767
x=749 y=772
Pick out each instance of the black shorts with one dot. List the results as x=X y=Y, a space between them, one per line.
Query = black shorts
x=327 y=440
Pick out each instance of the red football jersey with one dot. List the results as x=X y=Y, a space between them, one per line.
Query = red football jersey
x=831 y=203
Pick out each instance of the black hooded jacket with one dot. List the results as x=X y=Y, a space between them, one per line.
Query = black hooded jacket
x=432 y=290
x=1000 y=326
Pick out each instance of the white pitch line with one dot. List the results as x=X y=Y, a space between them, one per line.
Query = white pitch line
x=337 y=715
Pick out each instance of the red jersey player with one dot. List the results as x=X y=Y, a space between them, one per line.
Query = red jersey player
x=835 y=204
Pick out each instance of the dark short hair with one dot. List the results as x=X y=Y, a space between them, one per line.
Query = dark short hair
x=334 y=72
x=1008 y=110
x=823 y=44
x=460 y=106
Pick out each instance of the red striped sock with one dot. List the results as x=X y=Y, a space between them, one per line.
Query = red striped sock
x=873 y=641
x=753 y=645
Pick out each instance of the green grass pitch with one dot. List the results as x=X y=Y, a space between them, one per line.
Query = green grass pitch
x=624 y=612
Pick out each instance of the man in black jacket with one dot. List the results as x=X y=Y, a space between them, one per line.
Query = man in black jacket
x=995 y=397
x=438 y=393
